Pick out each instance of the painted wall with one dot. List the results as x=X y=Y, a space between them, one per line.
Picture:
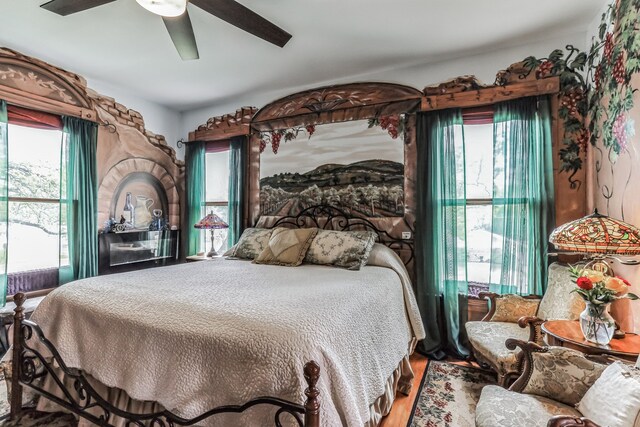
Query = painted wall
x=484 y=66
x=614 y=161
x=157 y=118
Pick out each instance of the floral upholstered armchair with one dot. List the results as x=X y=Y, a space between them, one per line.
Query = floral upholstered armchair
x=513 y=316
x=553 y=381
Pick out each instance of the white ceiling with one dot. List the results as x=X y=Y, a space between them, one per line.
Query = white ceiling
x=122 y=44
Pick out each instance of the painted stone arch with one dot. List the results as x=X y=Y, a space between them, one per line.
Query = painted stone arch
x=147 y=175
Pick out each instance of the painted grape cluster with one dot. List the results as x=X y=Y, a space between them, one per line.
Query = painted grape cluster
x=614 y=58
x=274 y=138
x=393 y=124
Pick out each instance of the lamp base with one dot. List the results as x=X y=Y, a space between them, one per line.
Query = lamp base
x=212 y=252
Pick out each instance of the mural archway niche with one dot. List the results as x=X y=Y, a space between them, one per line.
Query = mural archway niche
x=350 y=146
x=150 y=184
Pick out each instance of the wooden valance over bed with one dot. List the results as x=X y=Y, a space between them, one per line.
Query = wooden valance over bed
x=339 y=103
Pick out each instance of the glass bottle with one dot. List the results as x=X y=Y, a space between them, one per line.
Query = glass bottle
x=128 y=209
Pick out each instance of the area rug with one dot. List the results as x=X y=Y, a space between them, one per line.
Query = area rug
x=448 y=395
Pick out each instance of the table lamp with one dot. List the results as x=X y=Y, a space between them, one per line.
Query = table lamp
x=599 y=238
x=211 y=222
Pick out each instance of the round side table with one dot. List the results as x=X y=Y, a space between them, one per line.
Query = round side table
x=567 y=333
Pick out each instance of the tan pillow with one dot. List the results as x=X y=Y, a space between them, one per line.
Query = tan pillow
x=348 y=249
x=287 y=246
x=251 y=243
x=510 y=308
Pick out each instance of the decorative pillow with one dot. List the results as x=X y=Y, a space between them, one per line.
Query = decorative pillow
x=510 y=308
x=251 y=243
x=348 y=249
x=287 y=246
x=562 y=374
x=614 y=399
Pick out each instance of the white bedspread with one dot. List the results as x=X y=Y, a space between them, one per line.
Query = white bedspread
x=199 y=335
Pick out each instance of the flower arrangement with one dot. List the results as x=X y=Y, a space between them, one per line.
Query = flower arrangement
x=598 y=288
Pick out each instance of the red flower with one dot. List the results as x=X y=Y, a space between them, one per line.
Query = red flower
x=584 y=283
x=626 y=282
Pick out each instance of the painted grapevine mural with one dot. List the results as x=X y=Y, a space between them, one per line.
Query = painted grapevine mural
x=613 y=76
x=605 y=98
x=573 y=103
x=613 y=60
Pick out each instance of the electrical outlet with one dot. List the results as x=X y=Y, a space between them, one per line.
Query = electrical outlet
x=406 y=235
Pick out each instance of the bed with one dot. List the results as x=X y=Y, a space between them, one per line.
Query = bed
x=228 y=332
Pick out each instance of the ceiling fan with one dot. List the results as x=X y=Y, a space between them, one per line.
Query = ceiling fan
x=176 y=18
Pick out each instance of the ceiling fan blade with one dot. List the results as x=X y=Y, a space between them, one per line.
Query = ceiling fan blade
x=67 y=7
x=181 y=32
x=245 y=19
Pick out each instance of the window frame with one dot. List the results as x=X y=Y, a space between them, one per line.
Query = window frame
x=471 y=117
x=215 y=147
x=35 y=120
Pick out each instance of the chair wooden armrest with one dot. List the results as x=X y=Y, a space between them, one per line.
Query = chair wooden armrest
x=491 y=296
x=533 y=323
x=569 y=421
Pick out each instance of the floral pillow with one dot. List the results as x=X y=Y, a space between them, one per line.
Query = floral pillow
x=251 y=243
x=510 y=308
x=347 y=249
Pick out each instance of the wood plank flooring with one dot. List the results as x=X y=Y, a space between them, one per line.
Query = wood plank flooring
x=401 y=410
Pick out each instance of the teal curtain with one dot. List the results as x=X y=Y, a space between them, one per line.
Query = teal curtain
x=237 y=161
x=4 y=200
x=523 y=200
x=195 y=167
x=78 y=200
x=441 y=261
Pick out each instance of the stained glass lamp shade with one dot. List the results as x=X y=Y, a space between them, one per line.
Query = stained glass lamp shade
x=597 y=234
x=211 y=222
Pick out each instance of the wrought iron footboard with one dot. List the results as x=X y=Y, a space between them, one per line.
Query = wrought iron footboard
x=29 y=365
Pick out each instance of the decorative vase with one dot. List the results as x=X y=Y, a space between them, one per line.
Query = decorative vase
x=597 y=324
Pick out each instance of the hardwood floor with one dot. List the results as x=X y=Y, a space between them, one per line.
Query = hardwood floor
x=401 y=410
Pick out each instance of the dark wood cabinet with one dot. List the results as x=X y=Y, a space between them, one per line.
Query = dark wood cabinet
x=134 y=250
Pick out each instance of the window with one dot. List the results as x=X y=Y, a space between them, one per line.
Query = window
x=217 y=196
x=480 y=178
x=34 y=199
x=478 y=170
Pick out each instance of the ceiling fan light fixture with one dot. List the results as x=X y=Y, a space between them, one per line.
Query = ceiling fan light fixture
x=168 y=8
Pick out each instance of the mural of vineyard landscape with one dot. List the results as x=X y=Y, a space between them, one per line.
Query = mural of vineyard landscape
x=347 y=165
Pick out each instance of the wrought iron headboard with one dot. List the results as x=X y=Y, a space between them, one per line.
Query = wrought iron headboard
x=328 y=217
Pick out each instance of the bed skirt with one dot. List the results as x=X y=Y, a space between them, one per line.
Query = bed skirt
x=400 y=381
